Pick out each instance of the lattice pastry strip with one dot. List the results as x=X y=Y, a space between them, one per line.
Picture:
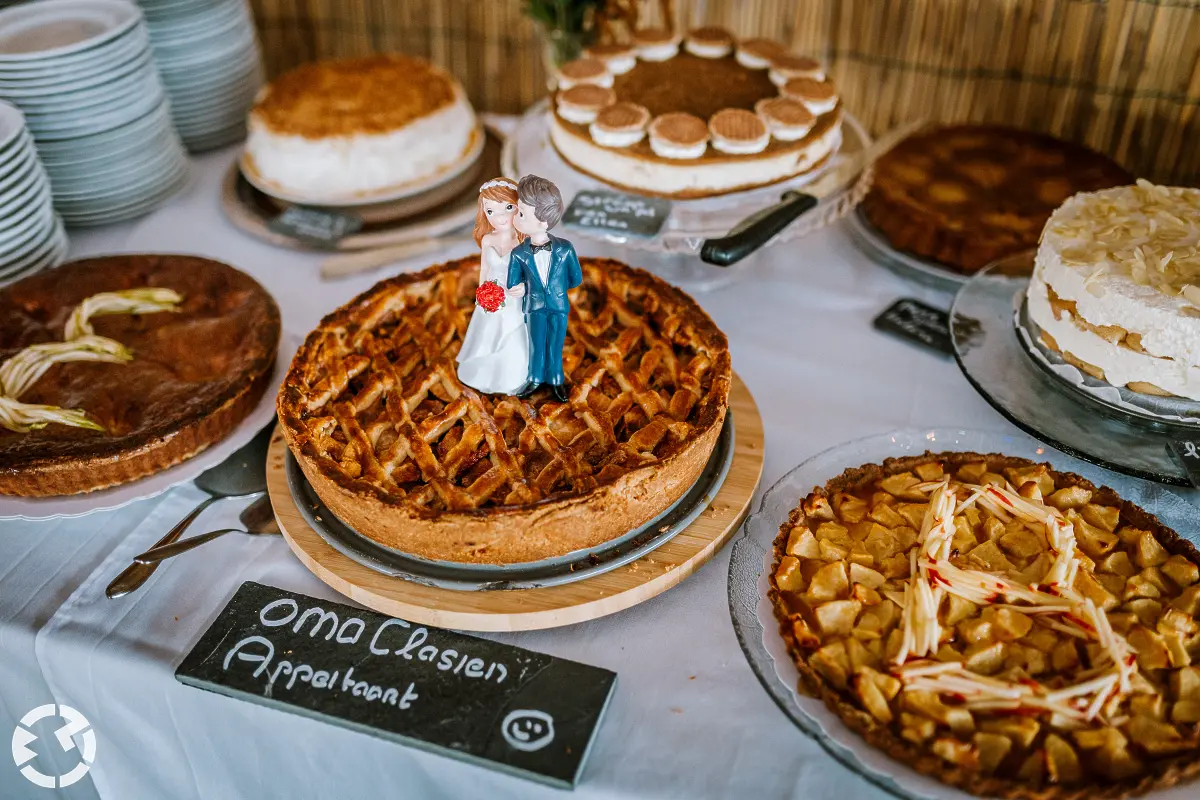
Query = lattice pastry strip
x=378 y=395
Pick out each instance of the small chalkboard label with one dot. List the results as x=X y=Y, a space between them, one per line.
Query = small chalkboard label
x=501 y=706
x=316 y=225
x=1187 y=453
x=619 y=214
x=917 y=322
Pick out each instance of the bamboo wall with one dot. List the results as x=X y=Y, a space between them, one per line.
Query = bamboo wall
x=1120 y=75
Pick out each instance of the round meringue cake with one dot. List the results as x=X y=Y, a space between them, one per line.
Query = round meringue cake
x=353 y=130
x=1116 y=287
x=698 y=117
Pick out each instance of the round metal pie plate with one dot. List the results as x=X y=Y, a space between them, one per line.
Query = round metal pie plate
x=568 y=568
x=914 y=268
x=993 y=360
x=1165 y=410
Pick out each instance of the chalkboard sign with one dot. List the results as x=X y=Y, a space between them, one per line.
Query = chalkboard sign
x=502 y=706
x=1187 y=453
x=619 y=214
x=917 y=322
x=315 y=225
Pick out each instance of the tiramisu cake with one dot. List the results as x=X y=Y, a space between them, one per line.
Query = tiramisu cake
x=345 y=129
x=1116 y=287
x=694 y=116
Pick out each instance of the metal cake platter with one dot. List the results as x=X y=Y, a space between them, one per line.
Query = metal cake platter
x=1177 y=410
x=575 y=566
x=994 y=361
x=921 y=271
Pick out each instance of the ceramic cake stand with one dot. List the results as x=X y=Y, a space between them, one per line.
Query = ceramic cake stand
x=547 y=606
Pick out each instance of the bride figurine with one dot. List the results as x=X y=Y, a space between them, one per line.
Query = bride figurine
x=494 y=357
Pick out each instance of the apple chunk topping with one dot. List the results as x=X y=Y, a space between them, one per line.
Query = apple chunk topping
x=1011 y=621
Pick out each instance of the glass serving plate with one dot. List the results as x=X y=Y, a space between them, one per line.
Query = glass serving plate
x=673 y=251
x=918 y=270
x=753 y=556
x=994 y=361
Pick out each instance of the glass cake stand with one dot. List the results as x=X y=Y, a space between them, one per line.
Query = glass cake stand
x=988 y=348
x=753 y=556
x=921 y=271
x=672 y=254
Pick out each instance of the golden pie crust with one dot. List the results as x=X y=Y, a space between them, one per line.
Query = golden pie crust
x=346 y=96
x=194 y=376
x=450 y=474
x=847 y=547
x=966 y=195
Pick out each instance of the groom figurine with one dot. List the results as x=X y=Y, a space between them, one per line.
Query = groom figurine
x=548 y=267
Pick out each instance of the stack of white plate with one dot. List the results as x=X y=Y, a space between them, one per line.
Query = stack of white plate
x=208 y=57
x=31 y=234
x=84 y=76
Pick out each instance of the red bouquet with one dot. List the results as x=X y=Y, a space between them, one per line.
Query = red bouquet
x=490 y=296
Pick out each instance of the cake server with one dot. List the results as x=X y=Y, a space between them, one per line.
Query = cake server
x=243 y=473
x=256 y=518
x=760 y=227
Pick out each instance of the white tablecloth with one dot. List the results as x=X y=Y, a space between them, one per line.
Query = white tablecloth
x=689 y=719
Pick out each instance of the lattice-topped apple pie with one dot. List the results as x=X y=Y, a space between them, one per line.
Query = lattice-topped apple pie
x=1009 y=629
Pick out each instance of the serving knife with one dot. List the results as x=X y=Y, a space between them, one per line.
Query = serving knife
x=760 y=227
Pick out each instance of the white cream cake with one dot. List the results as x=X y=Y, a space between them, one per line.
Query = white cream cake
x=340 y=129
x=1116 y=287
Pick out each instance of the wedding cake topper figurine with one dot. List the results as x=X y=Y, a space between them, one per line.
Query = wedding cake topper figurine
x=549 y=268
x=511 y=349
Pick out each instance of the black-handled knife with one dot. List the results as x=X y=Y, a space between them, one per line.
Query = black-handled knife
x=756 y=230
x=760 y=227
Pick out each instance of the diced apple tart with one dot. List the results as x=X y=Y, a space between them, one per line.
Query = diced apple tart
x=1008 y=629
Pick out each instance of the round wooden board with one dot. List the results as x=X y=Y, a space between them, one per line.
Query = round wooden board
x=428 y=215
x=550 y=607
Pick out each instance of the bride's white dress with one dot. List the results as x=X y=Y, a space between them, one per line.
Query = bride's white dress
x=495 y=352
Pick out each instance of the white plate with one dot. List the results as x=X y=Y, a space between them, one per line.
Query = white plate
x=245 y=84
x=12 y=125
x=104 y=63
x=119 y=170
x=137 y=208
x=50 y=85
x=55 y=28
x=753 y=557
x=235 y=100
x=180 y=31
x=71 y=99
x=51 y=249
x=17 y=241
x=59 y=128
x=38 y=191
x=84 y=160
x=94 y=143
x=20 y=146
x=15 y=173
x=467 y=161
x=118 y=189
x=36 y=508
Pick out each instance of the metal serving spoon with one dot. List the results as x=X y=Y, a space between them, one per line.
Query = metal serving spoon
x=257 y=518
x=243 y=473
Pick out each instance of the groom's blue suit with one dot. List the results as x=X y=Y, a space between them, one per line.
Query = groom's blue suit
x=546 y=305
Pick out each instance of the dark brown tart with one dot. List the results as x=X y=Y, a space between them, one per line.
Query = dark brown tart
x=988 y=695
x=195 y=373
x=966 y=195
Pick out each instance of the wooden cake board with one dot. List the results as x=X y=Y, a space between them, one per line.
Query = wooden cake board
x=547 y=607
